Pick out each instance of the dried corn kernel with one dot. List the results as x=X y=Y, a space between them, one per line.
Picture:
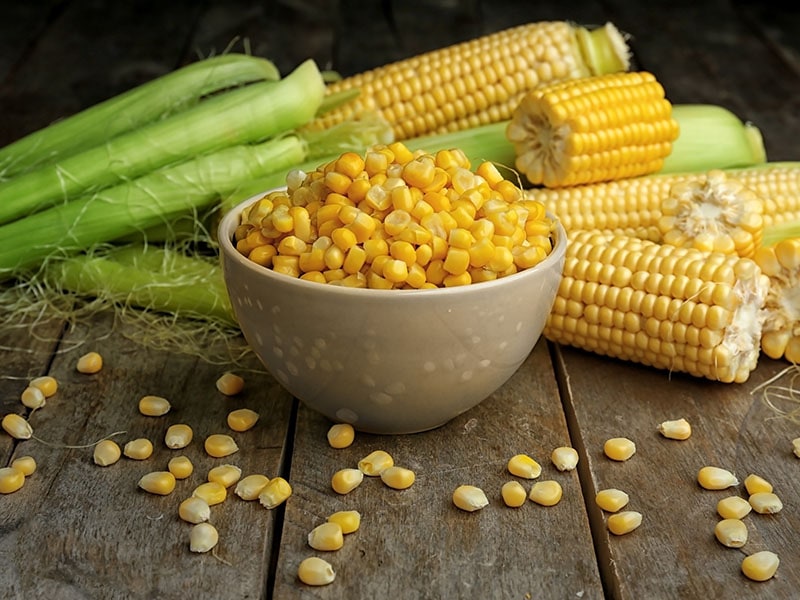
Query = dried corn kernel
x=178 y=436
x=716 y=478
x=161 y=483
x=398 y=478
x=11 y=480
x=226 y=475
x=326 y=537
x=348 y=520
x=564 y=458
x=220 y=445
x=230 y=384
x=346 y=480
x=733 y=507
x=514 y=495
x=180 y=466
x=546 y=493
x=796 y=447
x=203 y=537
x=26 y=464
x=611 y=499
x=523 y=465
x=469 y=498
x=138 y=449
x=620 y=448
x=375 y=463
x=33 y=397
x=106 y=453
x=675 y=430
x=754 y=484
x=251 y=486
x=760 y=566
x=623 y=522
x=17 y=427
x=341 y=435
x=154 y=406
x=731 y=533
x=47 y=384
x=212 y=492
x=765 y=503
x=90 y=363
x=315 y=571
x=242 y=419
x=275 y=492
x=194 y=510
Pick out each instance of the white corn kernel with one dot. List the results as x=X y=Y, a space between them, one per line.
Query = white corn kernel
x=754 y=484
x=220 y=445
x=250 y=487
x=624 y=522
x=398 y=478
x=242 y=419
x=194 y=510
x=90 y=363
x=564 y=458
x=161 y=483
x=375 y=462
x=47 y=384
x=733 y=507
x=611 y=499
x=275 y=492
x=760 y=566
x=178 y=436
x=524 y=466
x=348 y=520
x=731 y=533
x=230 y=384
x=26 y=464
x=154 y=406
x=33 y=397
x=17 y=427
x=546 y=493
x=315 y=571
x=514 y=495
x=346 y=480
x=226 y=475
x=138 y=449
x=11 y=480
x=765 y=503
x=341 y=435
x=620 y=448
x=180 y=466
x=796 y=447
x=678 y=429
x=716 y=478
x=469 y=498
x=106 y=453
x=203 y=537
x=326 y=537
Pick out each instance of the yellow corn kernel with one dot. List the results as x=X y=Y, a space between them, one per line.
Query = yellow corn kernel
x=678 y=429
x=249 y=487
x=469 y=498
x=375 y=463
x=161 y=483
x=398 y=478
x=226 y=475
x=315 y=571
x=11 y=479
x=180 y=466
x=33 y=397
x=716 y=478
x=564 y=458
x=203 y=537
x=346 y=480
x=263 y=255
x=348 y=520
x=731 y=533
x=765 y=503
x=138 y=449
x=623 y=522
x=760 y=566
x=341 y=435
x=17 y=427
x=154 y=406
x=754 y=484
x=523 y=465
x=620 y=448
x=178 y=436
x=230 y=384
x=326 y=537
x=275 y=492
x=26 y=464
x=611 y=499
x=796 y=447
x=733 y=507
x=47 y=384
x=194 y=510
x=90 y=363
x=106 y=453
x=514 y=494
x=220 y=445
x=212 y=492
x=546 y=493
x=242 y=419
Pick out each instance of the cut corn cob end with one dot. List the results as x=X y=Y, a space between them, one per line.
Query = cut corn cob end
x=781 y=331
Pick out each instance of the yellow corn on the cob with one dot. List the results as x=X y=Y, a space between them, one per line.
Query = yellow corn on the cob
x=679 y=309
x=781 y=332
x=600 y=128
x=479 y=81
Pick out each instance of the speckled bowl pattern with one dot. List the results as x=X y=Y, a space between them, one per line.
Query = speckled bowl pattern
x=389 y=361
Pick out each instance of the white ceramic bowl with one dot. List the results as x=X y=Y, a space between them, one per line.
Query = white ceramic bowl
x=389 y=361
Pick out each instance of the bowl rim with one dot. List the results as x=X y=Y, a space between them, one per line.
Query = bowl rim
x=229 y=222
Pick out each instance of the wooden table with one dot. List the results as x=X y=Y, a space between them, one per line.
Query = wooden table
x=80 y=531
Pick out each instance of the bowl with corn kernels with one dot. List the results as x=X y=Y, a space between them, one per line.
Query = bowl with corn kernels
x=392 y=290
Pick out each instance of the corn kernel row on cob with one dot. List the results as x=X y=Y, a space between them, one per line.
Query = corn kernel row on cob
x=678 y=309
x=479 y=81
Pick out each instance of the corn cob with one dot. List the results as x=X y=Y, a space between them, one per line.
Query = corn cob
x=781 y=335
x=679 y=309
x=479 y=81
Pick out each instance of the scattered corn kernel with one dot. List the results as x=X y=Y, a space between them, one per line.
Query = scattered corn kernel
x=138 y=449
x=230 y=384
x=33 y=397
x=611 y=499
x=733 y=507
x=106 y=453
x=619 y=448
x=398 y=478
x=564 y=458
x=220 y=445
x=765 y=503
x=514 y=495
x=523 y=465
x=11 y=479
x=212 y=492
x=194 y=510
x=546 y=493
x=341 y=435
x=47 y=384
x=346 y=480
x=180 y=466
x=161 y=483
x=203 y=537
x=90 y=363
x=17 y=427
x=716 y=478
x=275 y=492
x=469 y=498
x=796 y=447
x=326 y=537
x=315 y=571
x=348 y=520
x=675 y=430
x=26 y=464
x=242 y=419
x=154 y=406
x=178 y=436
x=251 y=486
x=731 y=533
x=374 y=463
x=760 y=566
x=754 y=484
x=227 y=475
x=623 y=522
